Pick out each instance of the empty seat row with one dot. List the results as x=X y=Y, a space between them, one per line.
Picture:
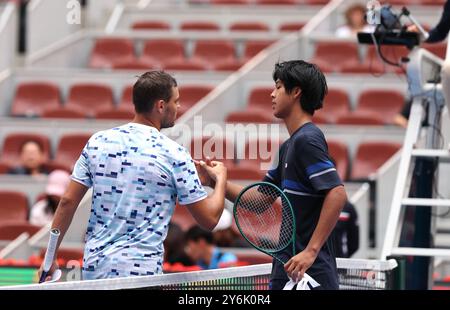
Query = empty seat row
x=119 y=53
x=344 y=57
x=212 y=26
x=88 y=100
x=374 y=106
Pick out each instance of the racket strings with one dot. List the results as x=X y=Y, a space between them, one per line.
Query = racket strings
x=265 y=217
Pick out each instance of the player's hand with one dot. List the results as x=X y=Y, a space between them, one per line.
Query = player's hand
x=203 y=174
x=53 y=268
x=299 y=264
x=215 y=169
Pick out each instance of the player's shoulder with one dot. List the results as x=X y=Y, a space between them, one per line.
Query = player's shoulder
x=309 y=133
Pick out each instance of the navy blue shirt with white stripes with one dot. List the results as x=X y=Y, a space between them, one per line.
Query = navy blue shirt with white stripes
x=305 y=173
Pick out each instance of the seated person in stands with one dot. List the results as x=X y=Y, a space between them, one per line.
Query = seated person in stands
x=32 y=160
x=174 y=245
x=42 y=212
x=201 y=249
x=355 y=17
x=225 y=236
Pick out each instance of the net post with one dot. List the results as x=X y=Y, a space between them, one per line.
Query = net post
x=399 y=273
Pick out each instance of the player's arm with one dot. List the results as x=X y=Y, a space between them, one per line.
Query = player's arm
x=332 y=207
x=64 y=214
x=207 y=211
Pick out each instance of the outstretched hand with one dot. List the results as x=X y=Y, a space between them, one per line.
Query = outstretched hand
x=210 y=171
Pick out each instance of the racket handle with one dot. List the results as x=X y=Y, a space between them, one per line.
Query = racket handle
x=49 y=254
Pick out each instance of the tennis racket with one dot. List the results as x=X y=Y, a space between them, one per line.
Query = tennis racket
x=265 y=218
x=49 y=254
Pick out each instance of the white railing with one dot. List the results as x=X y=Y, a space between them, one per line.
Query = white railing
x=8 y=36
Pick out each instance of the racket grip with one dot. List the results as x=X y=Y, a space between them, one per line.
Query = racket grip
x=49 y=254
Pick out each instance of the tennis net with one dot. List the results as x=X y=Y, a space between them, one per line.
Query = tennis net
x=354 y=274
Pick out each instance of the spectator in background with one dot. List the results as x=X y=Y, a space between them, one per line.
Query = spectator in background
x=224 y=236
x=174 y=245
x=355 y=17
x=32 y=160
x=201 y=249
x=42 y=212
x=346 y=232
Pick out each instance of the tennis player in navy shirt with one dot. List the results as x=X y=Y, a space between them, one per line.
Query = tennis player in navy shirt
x=306 y=174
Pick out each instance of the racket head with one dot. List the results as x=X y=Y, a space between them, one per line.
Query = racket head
x=265 y=218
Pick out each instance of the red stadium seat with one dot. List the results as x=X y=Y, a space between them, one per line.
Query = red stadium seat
x=72 y=112
x=230 y=2
x=32 y=98
x=387 y=103
x=69 y=149
x=361 y=118
x=12 y=230
x=275 y=2
x=252 y=48
x=126 y=100
x=163 y=51
x=339 y=152
x=439 y=49
x=13 y=143
x=66 y=254
x=13 y=207
x=115 y=113
x=90 y=97
x=319 y=119
x=185 y=65
x=183 y=218
x=336 y=103
x=108 y=51
x=291 y=26
x=151 y=25
x=190 y=95
x=251 y=115
x=370 y=156
x=257 y=153
x=4 y=168
x=335 y=55
x=249 y=26
x=245 y=171
x=143 y=65
x=214 y=53
x=199 y=26
x=260 y=98
x=253 y=257
x=216 y=148
x=316 y=2
x=390 y=52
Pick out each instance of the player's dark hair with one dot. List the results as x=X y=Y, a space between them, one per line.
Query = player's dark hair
x=196 y=233
x=151 y=87
x=307 y=76
x=38 y=143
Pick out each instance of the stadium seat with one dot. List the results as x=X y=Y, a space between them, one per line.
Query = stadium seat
x=230 y=2
x=319 y=119
x=108 y=51
x=115 y=113
x=335 y=55
x=13 y=207
x=190 y=95
x=126 y=101
x=252 y=48
x=214 y=53
x=12 y=230
x=291 y=26
x=199 y=26
x=339 y=152
x=151 y=25
x=251 y=115
x=182 y=217
x=249 y=26
x=275 y=2
x=163 y=51
x=390 y=52
x=260 y=98
x=361 y=118
x=370 y=156
x=72 y=112
x=316 y=2
x=185 y=65
x=90 y=97
x=32 y=98
x=4 y=168
x=257 y=153
x=143 y=65
x=336 y=103
x=387 y=103
x=14 y=141
x=66 y=254
x=245 y=171
x=253 y=257
x=69 y=149
x=216 y=148
x=438 y=49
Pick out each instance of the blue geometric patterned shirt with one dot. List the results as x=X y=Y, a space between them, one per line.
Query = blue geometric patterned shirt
x=137 y=174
